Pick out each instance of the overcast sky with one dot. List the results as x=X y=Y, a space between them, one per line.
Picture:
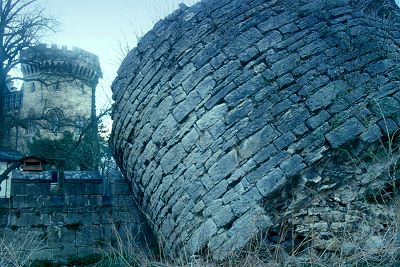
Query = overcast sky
x=98 y=26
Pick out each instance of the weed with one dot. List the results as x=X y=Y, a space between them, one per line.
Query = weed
x=18 y=252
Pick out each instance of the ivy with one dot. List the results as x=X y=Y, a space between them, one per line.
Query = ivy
x=66 y=153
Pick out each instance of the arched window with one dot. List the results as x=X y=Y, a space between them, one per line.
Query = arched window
x=80 y=122
x=57 y=87
x=55 y=119
x=32 y=128
x=83 y=89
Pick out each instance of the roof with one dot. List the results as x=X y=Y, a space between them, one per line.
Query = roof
x=8 y=155
x=33 y=157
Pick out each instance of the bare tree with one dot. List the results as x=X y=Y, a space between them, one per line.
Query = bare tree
x=22 y=24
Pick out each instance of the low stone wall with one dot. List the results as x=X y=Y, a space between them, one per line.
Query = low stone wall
x=232 y=116
x=69 y=214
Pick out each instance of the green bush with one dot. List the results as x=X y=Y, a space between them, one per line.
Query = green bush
x=67 y=153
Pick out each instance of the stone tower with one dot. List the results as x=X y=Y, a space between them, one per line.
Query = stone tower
x=58 y=93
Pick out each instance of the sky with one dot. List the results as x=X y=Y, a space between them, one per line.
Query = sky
x=103 y=26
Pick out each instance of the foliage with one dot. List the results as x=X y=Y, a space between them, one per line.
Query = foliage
x=84 y=261
x=106 y=162
x=67 y=153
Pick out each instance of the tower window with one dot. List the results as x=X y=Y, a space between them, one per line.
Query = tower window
x=57 y=87
x=33 y=87
x=55 y=120
x=80 y=122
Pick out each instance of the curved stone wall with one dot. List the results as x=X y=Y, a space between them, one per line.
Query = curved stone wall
x=227 y=113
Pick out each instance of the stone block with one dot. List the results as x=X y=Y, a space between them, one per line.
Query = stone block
x=276 y=22
x=126 y=201
x=75 y=201
x=59 y=237
x=246 y=201
x=269 y=41
x=182 y=75
x=318 y=119
x=74 y=188
x=292 y=165
x=372 y=134
x=197 y=76
x=120 y=188
x=212 y=116
x=224 y=166
x=284 y=140
x=18 y=189
x=223 y=217
x=93 y=200
x=226 y=69
x=172 y=158
x=201 y=236
x=283 y=66
x=293 y=118
x=93 y=188
x=83 y=251
x=388 y=126
x=26 y=219
x=324 y=96
x=243 y=229
x=242 y=41
x=182 y=110
x=238 y=113
x=87 y=236
x=345 y=132
x=209 y=52
x=271 y=182
x=218 y=95
x=216 y=192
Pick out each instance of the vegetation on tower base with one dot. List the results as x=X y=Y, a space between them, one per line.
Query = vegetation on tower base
x=66 y=153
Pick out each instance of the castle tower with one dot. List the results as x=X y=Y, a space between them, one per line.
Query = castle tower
x=58 y=93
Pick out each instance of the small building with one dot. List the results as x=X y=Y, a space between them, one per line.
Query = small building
x=32 y=164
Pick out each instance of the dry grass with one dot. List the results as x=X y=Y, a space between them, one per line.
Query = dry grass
x=350 y=246
x=19 y=252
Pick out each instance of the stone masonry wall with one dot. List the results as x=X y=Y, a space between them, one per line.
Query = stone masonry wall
x=232 y=116
x=73 y=217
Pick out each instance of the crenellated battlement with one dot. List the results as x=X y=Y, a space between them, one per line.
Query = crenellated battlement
x=52 y=59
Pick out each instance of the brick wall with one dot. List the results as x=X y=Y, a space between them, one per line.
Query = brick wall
x=70 y=214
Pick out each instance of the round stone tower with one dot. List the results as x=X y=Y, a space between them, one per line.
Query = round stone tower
x=58 y=92
x=236 y=119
